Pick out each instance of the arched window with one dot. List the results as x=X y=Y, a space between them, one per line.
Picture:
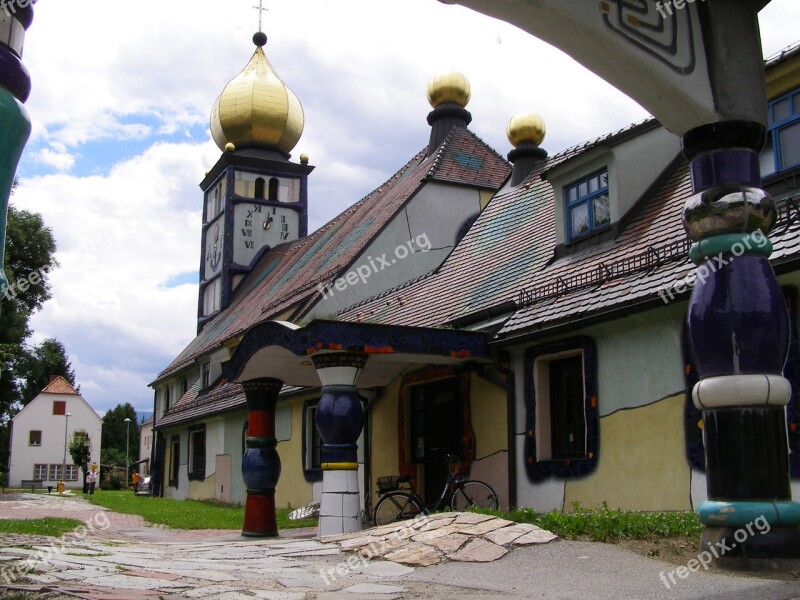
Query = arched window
x=273 y=188
x=260 y=188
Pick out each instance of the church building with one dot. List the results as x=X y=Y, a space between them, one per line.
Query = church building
x=526 y=314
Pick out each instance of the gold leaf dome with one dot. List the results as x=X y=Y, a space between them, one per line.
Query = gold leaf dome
x=526 y=127
x=257 y=109
x=449 y=87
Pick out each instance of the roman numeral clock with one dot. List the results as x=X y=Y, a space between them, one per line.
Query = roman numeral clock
x=246 y=214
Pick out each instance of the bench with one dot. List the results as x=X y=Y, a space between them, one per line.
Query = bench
x=32 y=483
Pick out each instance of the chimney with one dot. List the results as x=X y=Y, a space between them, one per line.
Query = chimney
x=448 y=94
x=53 y=378
x=525 y=132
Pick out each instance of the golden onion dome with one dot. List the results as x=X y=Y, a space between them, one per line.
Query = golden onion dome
x=524 y=128
x=449 y=87
x=257 y=109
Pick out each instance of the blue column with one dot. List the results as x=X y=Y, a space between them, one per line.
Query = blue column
x=340 y=419
x=739 y=335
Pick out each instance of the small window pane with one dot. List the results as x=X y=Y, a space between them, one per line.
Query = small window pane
x=40 y=472
x=602 y=213
x=790 y=145
x=604 y=179
x=580 y=219
x=583 y=189
x=782 y=110
x=767 y=159
x=55 y=473
x=593 y=183
x=572 y=194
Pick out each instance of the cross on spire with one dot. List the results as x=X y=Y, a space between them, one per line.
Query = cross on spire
x=261 y=10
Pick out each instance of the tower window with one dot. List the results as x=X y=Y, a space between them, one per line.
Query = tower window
x=273 y=188
x=260 y=188
x=587 y=205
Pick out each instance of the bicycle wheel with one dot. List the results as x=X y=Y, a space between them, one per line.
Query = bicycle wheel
x=396 y=506
x=473 y=494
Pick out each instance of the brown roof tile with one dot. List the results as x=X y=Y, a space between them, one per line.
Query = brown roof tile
x=59 y=385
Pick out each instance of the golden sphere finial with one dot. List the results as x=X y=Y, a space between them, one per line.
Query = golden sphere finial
x=304 y=159
x=230 y=147
x=449 y=87
x=526 y=127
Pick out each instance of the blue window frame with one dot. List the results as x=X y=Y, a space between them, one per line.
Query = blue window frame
x=587 y=205
x=783 y=148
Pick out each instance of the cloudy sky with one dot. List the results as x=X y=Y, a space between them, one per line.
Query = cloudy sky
x=120 y=105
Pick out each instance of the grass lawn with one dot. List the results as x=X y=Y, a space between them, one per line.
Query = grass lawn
x=184 y=514
x=48 y=526
x=606 y=525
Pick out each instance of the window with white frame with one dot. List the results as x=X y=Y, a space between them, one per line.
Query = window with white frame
x=55 y=473
x=782 y=151
x=40 y=472
x=71 y=473
x=587 y=203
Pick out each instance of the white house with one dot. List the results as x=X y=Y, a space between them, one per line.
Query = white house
x=39 y=430
x=145 y=446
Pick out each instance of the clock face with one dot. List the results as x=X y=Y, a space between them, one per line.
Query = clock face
x=215 y=235
x=257 y=225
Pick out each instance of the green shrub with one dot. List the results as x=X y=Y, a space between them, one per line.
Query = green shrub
x=114 y=479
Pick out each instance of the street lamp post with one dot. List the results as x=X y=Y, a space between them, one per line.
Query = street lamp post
x=64 y=461
x=127 y=462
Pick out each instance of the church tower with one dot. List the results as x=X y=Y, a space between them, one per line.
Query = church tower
x=255 y=198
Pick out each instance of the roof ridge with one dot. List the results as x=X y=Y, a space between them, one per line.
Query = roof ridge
x=582 y=147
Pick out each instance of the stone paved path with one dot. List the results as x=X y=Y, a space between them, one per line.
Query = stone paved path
x=121 y=557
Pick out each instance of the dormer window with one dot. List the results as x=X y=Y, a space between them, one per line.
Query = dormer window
x=587 y=205
x=783 y=148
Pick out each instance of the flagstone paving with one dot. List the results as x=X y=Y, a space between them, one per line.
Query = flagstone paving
x=122 y=557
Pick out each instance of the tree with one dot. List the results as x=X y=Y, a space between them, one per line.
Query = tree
x=80 y=449
x=38 y=365
x=114 y=431
x=29 y=257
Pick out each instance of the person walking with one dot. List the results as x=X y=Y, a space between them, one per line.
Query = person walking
x=90 y=479
x=136 y=479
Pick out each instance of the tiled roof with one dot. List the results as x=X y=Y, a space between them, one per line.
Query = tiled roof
x=510 y=249
x=223 y=398
x=288 y=275
x=511 y=241
x=59 y=385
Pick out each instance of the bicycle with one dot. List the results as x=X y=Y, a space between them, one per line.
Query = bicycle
x=400 y=505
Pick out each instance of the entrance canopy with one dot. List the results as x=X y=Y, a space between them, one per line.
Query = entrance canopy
x=283 y=351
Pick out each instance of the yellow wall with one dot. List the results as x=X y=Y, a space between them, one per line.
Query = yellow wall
x=293 y=490
x=385 y=458
x=203 y=490
x=489 y=417
x=783 y=78
x=642 y=464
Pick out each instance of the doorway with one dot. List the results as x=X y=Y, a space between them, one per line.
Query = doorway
x=436 y=431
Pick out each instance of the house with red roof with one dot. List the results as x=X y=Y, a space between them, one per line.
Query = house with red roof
x=526 y=315
x=42 y=431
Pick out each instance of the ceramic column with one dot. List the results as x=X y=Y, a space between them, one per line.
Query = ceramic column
x=261 y=465
x=340 y=419
x=15 y=126
x=739 y=334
